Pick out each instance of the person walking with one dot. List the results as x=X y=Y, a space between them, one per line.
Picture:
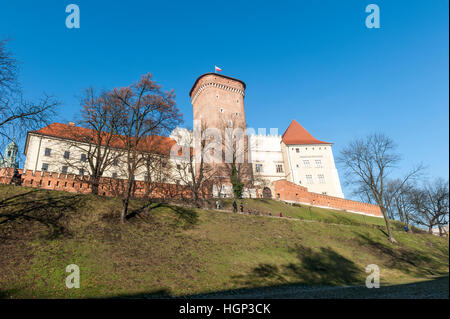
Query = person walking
x=241 y=207
x=234 y=207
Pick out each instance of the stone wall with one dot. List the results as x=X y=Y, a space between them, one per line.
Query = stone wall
x=291 y=192
x=80 y=184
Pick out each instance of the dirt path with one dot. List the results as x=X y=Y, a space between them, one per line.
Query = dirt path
x=432 y=289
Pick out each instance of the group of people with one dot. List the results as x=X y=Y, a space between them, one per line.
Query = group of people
x=250 y=212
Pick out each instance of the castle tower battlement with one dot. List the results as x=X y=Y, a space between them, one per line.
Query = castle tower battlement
x=217 y=98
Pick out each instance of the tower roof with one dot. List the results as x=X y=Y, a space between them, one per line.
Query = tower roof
x=216 y=74
x=297 y=135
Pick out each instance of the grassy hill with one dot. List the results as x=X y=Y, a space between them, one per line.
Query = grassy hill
x=169 y=250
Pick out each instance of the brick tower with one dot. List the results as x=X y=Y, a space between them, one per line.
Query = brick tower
x=218 y=102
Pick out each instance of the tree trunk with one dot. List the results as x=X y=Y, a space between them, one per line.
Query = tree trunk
x=126 y=202
x=388 y=226
x=95 y=186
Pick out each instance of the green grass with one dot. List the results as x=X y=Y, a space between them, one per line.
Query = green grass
x=306 y=212
x=167 y=250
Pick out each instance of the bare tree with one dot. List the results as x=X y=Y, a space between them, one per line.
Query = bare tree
x=403 y=207
x=431 y=205
x=236 y=168
x=8 y=69
x=145 y=110
x=368 y=163
x=156 y=165
x=16 y=113
x=101 y=120
x=192 y=167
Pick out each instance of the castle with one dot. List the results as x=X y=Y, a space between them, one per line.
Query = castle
x=293 y=167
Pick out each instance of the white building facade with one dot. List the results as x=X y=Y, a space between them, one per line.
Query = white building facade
x=297 y=157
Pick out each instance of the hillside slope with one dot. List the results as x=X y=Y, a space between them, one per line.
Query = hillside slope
x=167 y=250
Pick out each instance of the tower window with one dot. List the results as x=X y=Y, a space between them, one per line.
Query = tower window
x=64 y=169
x=318 y=163
x=321 y=178
x=83 y=157
x=48 y=152
x=66 y=154
x=45 y=167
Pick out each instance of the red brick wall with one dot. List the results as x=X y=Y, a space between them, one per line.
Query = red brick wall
x=75 y=184
x=288 y=191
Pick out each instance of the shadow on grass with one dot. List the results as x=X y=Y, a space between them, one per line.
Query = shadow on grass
x=411 y=261
x=184 y=217
x=322 y=267
x=43 y=207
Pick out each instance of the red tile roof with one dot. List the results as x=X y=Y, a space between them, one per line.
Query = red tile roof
x=297 y=135
x=152 y=144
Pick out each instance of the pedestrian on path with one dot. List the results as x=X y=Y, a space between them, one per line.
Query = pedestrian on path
x=234 y=207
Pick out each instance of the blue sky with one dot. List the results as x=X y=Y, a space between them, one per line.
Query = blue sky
x=313 y=61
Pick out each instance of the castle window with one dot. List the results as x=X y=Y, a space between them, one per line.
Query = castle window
x=309 y=179
x=114 y=175
x=115 y=162
x=83 y=157
x=178 y=166
x=44 y=167
x=64 y=169
x=81 y=171
x=297 y=150
x=318 y=163
x=279 y=168
x=321 y=178
x=237 y=114
x=306 y=163
x=258 y=168
x=48 y=152
x=66 y=154
x=221 y=110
